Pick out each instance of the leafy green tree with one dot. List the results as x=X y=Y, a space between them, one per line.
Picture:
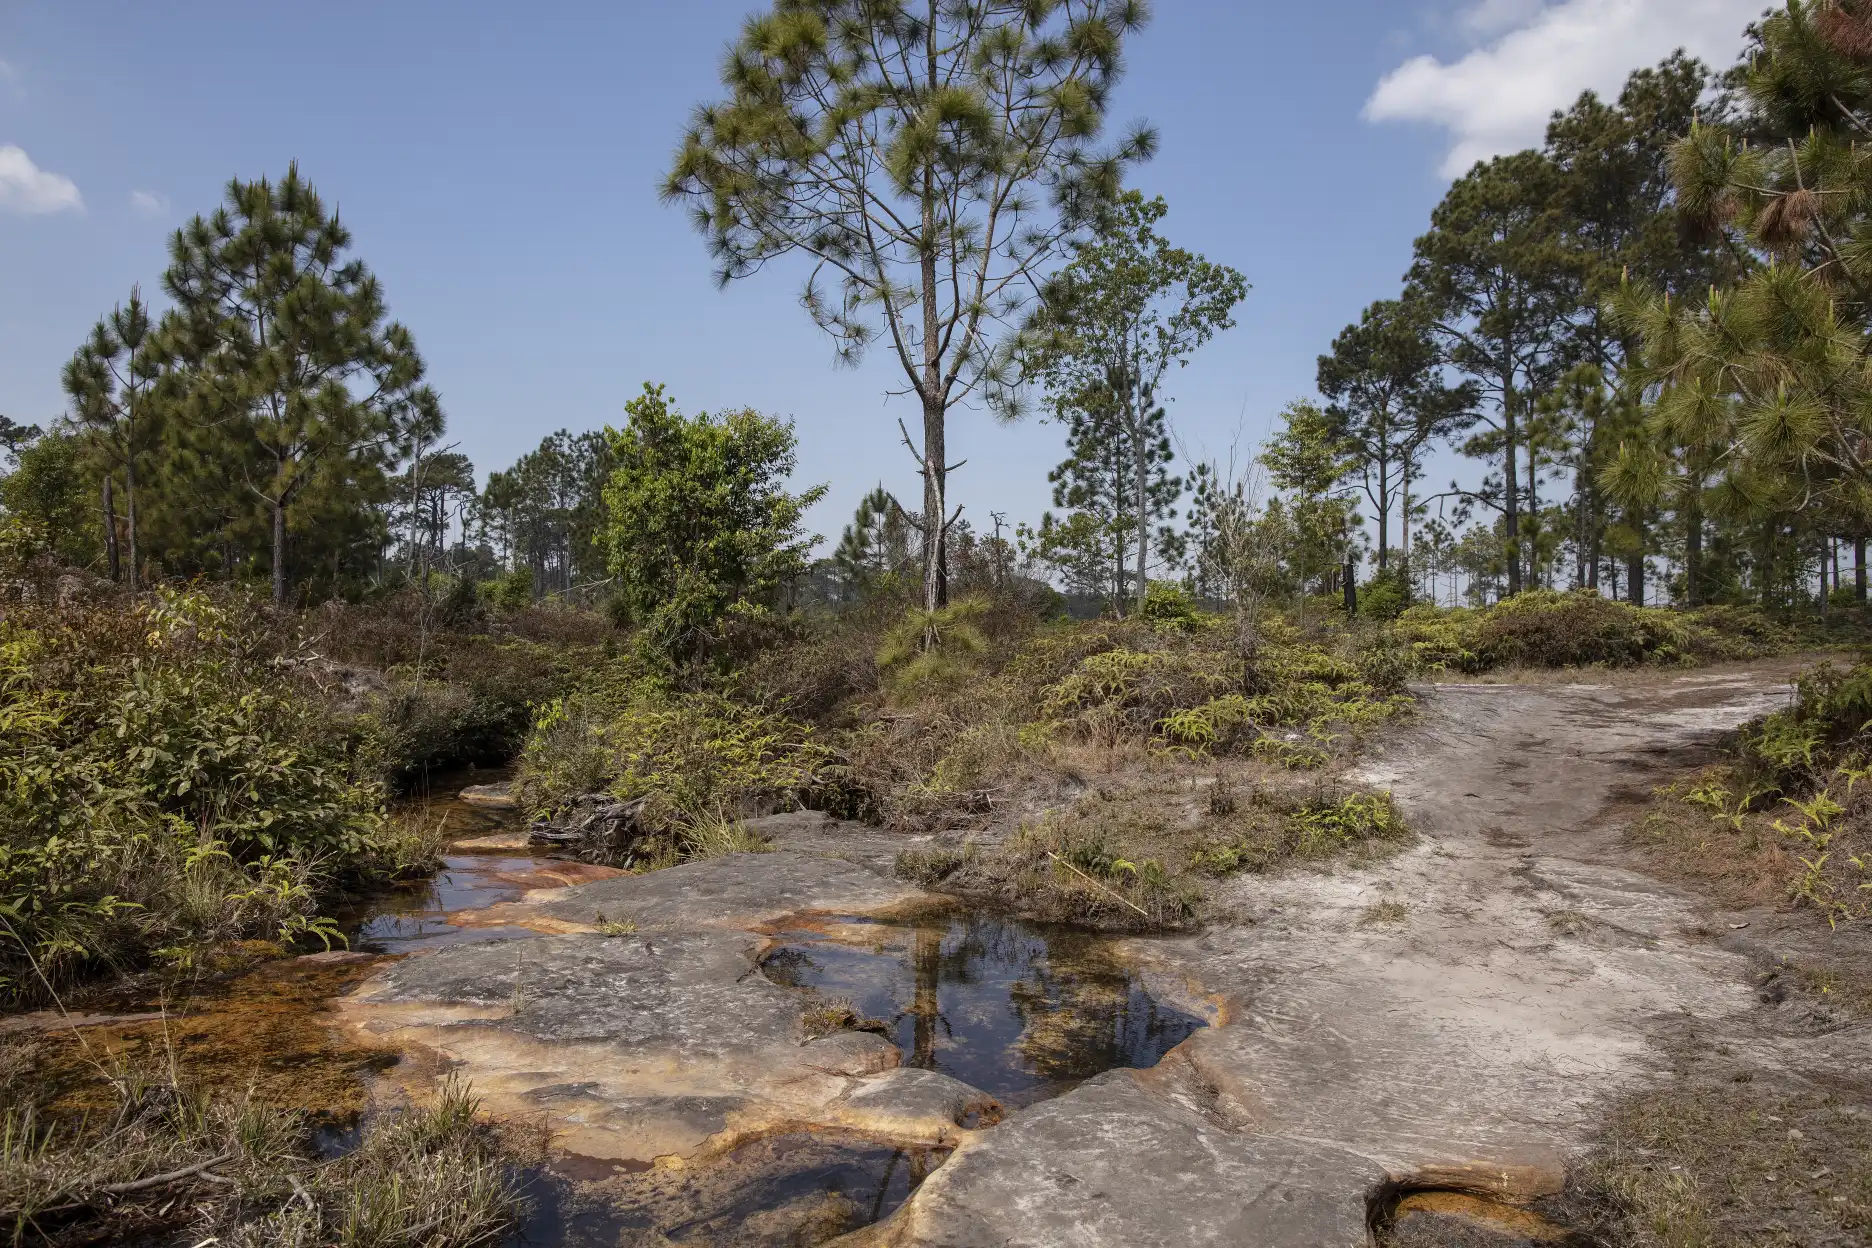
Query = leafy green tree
x=927 y=160
x=1388 y=401
x=111 y=382
x=46 y=496
x=1500 y=285
x=1127 y=308
x=287 y=354
x=700 y=524
x=1309 y=461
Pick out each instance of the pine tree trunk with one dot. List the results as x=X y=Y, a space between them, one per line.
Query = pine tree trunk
x=279 y=552
x=935 y=501
x=1634 y=567
x=1511 y=501
x=1384 y=519
x=1859 y=570
x=1533 y=515
x=108 y=506
x=1693 y=546
x=1141 y=473
x=130 y=514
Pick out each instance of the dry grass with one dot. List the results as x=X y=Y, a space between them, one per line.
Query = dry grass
x=164 y=1158
x=1133 y=852
x=825 y=1016
x=1727 y=1155
x=1382 y=912
x=713 y=834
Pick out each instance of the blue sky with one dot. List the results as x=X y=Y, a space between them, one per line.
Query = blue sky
x=498 y=165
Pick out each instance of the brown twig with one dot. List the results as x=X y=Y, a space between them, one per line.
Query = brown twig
x=1095 y=884
x=123 y=1189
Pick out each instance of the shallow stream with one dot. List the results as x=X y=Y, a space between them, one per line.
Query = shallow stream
x=1018 y=1010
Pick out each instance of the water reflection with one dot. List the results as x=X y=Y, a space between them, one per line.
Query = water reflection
x=1019 y=1010
x=775 y=1192
x=416 y=916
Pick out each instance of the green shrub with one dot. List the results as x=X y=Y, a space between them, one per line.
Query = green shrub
x=691 y=755
x=1169 y=606
x=1829 y=724
x=1384 y=598
x=164 y=783
x=510 y=591
x=1549 y=628
x=1312 y=830
x=1546 y=628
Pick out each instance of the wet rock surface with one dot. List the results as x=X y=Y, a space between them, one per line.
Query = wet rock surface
x=1466 y=1048
x=654 y=1044
x=743 y=891
x=1112 y=1163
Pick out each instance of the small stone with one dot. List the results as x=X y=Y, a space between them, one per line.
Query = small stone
x=490 y=796
x=1794 y=1133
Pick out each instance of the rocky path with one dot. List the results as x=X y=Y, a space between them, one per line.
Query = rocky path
x=1452 y=1018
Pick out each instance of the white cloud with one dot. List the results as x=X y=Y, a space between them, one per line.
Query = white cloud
x=1536 y=57
x=28 y=189
x=149 y=203
x=1488 y=18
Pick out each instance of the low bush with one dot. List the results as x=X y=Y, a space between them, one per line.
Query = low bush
x=1549 y=628
x=1317 y=828
x=1061 y=870
x=1790 y=819
x=690 y=755
x=166 y=781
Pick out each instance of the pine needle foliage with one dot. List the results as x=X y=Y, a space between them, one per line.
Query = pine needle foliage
x=927 y=160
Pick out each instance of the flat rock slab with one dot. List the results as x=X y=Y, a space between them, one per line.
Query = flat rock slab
x=1112 y=1164
x=490 y=796
x=745 y=891
x=497 y=842
x=653 y=1045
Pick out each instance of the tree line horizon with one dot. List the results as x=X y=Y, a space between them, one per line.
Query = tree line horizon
x=1650 y=332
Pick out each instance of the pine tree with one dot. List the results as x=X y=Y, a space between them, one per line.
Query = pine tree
x=928 y=160
x=1309 y=461
x=286 y=351
x=1388 y=402
x=1771 y=371
x=1126 y=310
x=1500 y=285
x=111 y=382
x=874 y=545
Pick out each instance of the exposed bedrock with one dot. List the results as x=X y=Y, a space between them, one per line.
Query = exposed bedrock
x=1519 y=978
x=648 y=1046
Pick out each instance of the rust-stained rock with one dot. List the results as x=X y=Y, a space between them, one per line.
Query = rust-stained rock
x=491 y=796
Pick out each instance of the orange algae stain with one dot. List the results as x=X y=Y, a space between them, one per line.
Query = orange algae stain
x=264 y=1032
x=1493 y=1214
